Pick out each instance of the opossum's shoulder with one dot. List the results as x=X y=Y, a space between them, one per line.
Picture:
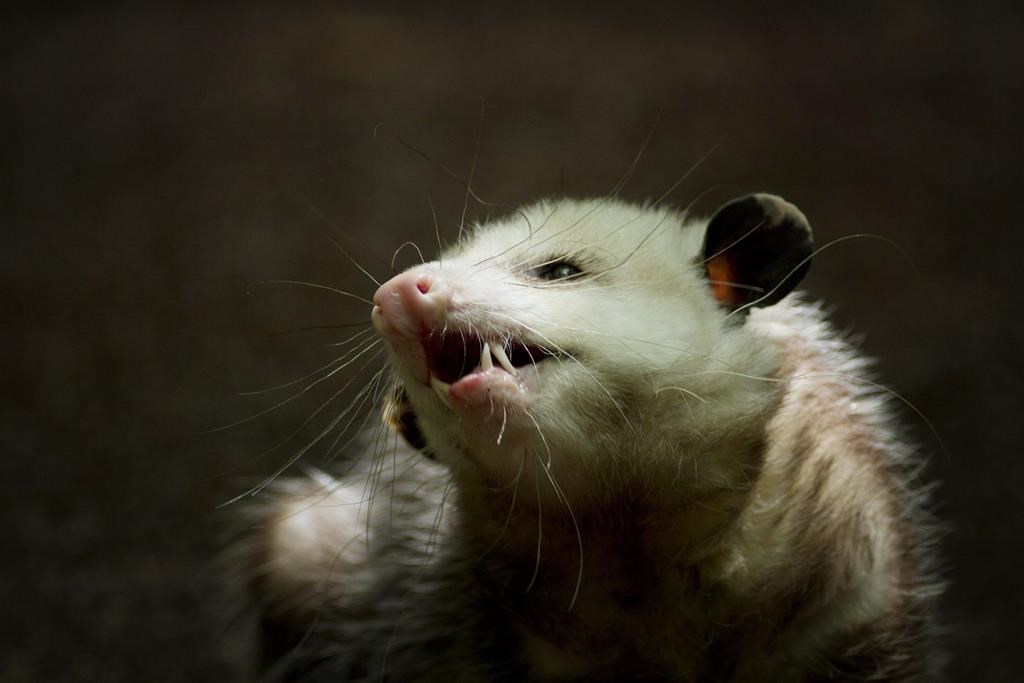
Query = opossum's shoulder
x=806 y=341
x=794 y=319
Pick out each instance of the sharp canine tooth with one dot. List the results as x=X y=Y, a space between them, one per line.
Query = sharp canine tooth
x=485 y=357
x=441 y=389
x=499 y=354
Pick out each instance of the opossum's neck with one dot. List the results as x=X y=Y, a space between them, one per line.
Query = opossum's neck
x=656 y=516
x=574 y=582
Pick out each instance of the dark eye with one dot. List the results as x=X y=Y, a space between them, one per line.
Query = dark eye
x=556 y=270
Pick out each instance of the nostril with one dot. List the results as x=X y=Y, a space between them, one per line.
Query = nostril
x=423 y=284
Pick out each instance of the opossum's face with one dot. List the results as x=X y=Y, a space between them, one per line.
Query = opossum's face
x=560 y=334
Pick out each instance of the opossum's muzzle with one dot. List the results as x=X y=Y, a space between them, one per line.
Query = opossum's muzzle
x=412 y=312
x=453 y=355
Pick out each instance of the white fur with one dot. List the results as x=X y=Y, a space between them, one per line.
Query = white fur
x=646 y=322
x=746 y=451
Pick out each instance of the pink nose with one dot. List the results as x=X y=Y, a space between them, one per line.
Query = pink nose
x=410 y=305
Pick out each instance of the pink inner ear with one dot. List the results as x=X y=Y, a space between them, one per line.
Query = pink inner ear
x=720 y=275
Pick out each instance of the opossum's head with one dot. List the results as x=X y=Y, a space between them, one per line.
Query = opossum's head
x=584 y=337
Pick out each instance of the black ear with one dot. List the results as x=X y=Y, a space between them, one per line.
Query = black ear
x=756 y=250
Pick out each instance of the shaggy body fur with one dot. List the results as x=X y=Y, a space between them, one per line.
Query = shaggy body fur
x=681 y=490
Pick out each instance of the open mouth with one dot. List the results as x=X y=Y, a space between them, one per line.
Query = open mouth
x=452 y=356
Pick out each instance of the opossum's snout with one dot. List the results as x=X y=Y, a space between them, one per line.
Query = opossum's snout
x=411 y=312
x=410 y=305
x=406 y=309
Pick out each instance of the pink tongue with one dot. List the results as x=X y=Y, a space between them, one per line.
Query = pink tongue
x=485 y=387
x=470 y=389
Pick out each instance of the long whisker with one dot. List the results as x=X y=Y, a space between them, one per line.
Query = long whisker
x=312 y=374
x=621 y=183
x=472 y=171
x=319 y=214
x=565 y=353
x=565 y=501
x=624 y=225
x=640 y=244
x=354 y=262
x=686 y=175
x=435 y=528
x=307 y=284
x=737 y=285
x=437 y=231
x=309 y=328
x=682 y=390
x=640 y=215
x=579 y=221
x=291 y=461
x=363 y=397
x=803 y=262
x=403 y=245
x=529 y=236
x=504 y=421
x=553 y=323
x=843 y=375
x=450 y=173
x=365 y=348
x=734 y=242
x=540 y=535
x=511 y=509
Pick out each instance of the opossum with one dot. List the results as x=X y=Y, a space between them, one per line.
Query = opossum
x=620 y=447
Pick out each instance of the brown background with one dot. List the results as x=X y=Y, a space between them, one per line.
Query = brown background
x=155 y=162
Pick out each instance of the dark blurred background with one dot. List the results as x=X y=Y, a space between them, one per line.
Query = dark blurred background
x=157 y=161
